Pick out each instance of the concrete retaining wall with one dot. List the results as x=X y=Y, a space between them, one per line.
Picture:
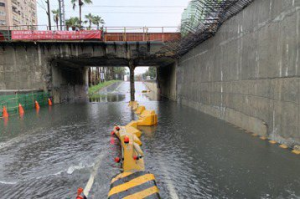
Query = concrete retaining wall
x=167 y=81
x=152 y=86
x=248 y=74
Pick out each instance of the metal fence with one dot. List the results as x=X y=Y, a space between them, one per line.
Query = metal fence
x=206 y=17
x=11 y=102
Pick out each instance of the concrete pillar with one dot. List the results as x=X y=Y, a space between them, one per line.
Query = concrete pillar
x=132 y=89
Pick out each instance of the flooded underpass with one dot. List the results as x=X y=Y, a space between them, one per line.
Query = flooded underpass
x=51 y=153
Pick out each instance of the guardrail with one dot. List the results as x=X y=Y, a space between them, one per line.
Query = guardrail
x=131 y=33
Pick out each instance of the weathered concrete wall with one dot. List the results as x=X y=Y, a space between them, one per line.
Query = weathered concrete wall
x=154 y=91
x=46 y=65
x=69 y=84
x=33 y=67
x=248 y=74
x=166 y=77
x=22 y=68
x=152 y=86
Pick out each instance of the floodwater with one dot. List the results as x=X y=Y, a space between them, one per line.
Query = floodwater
x=51 y=153
x=120 y=91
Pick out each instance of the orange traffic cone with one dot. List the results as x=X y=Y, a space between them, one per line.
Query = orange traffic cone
x=21 y=110
x=37 y=106
x=49 y=102
x=4 y=113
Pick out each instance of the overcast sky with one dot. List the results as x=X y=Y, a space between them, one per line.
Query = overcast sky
x=148 y=13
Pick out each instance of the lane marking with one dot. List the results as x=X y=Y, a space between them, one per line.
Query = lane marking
x=94 y=173
x=170 y=185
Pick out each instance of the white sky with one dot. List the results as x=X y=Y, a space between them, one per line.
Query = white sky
x=150 y=13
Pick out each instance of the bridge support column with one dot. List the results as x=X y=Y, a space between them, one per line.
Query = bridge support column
x=132 y=89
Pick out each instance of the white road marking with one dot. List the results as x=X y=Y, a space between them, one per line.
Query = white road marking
x=94 y=173
x=170 y=185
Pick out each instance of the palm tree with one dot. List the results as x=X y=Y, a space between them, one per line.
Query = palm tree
x=80 y=3
x=56 y=17
x=97 y=21
x=72 y=22
x=90 y=19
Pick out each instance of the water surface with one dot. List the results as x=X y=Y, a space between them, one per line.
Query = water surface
x=51 y=153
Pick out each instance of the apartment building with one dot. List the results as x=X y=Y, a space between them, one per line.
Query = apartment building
x=18 y=14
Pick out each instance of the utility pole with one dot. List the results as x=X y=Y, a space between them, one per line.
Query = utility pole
x=59 y=9
x=63 y=17
x=48 y=13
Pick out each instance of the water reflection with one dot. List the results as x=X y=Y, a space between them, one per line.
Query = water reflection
x=148 y=131
x=108 y=98
x=120 y=92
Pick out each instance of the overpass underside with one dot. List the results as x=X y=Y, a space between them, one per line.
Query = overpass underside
x=61 y=67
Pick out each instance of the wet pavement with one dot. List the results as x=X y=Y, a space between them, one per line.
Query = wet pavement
x=51 y=153
x=120 y=91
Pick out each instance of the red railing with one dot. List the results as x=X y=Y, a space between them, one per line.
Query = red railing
x=141 y=36
x=125 y=34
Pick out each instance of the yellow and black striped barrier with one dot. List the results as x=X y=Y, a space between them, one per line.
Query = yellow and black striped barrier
x=134 y=182
x=135 y=185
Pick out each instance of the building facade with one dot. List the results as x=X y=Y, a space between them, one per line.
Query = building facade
x=18 y=14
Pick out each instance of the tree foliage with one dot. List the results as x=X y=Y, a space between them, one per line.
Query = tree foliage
x=56 y=17
x=150 y=72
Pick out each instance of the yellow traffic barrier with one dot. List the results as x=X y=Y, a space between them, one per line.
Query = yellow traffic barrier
x=131 y=103
x=133 y=124
x=296 y=150
x=134 y=182
x=272 y=141
x=132 y=153
x=147 y=118
x=132 y=128
x=137 y=140
x=140 y=110
x=135 y=106
x=133 y=185
x=283 y=146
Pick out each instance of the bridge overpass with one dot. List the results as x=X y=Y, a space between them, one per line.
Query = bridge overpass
x=61 y=66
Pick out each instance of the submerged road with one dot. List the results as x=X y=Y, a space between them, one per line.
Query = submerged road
x=52 y=153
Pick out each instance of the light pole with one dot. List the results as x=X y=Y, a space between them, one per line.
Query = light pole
x=48 y=13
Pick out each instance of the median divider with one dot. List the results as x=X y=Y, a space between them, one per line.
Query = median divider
x=134 y=181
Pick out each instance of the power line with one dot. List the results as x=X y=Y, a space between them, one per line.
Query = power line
x=42 y=5
x=132 y=12
x=106 y=6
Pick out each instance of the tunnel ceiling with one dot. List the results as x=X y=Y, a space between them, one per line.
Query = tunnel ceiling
x=112 y=62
